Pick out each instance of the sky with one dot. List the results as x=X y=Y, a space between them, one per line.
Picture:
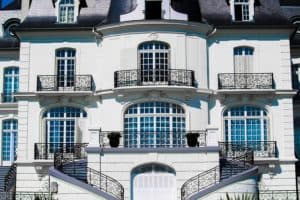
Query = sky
x=5 y=3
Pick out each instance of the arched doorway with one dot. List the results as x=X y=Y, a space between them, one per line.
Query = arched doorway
x=153 y=182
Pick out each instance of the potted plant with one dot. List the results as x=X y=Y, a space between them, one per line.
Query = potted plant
x=192 y=139
x=114 y=139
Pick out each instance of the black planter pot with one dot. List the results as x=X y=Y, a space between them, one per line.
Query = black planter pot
x=114 y=139
x=192 y=139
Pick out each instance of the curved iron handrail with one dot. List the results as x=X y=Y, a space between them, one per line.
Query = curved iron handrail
x=67 y=164
x=229 y=166
x=10 y=179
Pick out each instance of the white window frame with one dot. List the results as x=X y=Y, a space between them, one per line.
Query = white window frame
x=65 y=60
x=153 y=51
x=48 y=118
x=13 y=77
x=250 y=7
x=76 y=12
x=243 y=63
x=244 y=118
x=155 y=115
x=11 y=130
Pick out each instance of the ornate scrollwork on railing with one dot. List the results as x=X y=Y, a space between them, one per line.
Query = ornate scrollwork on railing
x=229 y=166
x=262 y=149
x=173 y=77
x=278 y=194
x=10 y=179
x=246 y=81
x=105 y=183
x=200 y=182
x=67 y=164
x=58 y=83
x=25 y=196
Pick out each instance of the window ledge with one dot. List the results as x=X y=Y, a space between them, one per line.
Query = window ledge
x=9 y=106
x=64 y=93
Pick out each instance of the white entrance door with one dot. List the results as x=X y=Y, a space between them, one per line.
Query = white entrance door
x=154 y=186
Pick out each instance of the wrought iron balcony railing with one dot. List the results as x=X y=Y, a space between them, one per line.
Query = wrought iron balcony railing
x=246 y=81
x=143 y=139
x=61 y=83
x=25 y=196
x=67 y=164
x=262 y=149
x=45 y=151
x=278 y=194
x=172 y=77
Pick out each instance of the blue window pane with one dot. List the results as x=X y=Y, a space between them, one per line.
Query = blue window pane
x=153 y=124
x=246 y=123
x=10 y=84
x=9 y=139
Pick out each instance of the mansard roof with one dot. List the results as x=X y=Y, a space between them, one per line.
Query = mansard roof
x=42 y=14
x=266 y=13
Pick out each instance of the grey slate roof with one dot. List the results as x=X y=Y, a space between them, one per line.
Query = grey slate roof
x=266 y=13
x=216 y=12
x=42 y=14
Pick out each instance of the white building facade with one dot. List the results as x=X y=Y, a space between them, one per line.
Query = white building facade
x=149 y=100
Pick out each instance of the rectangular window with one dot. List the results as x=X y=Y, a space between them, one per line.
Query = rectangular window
x=243 y=60
x=153 y=10
x=241 y=10
x=9 y=139
x=66 y=11
x=11 y=84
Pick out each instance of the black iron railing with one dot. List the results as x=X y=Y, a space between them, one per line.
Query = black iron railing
x=173 y=77
x=25 y=196
x=10 y=179
x=227 y=168
x=263 y=149
x=149 y=139
x=245 y=81
x=67 y=164
x=45 y=151
x=277 y=194
x=59 y=83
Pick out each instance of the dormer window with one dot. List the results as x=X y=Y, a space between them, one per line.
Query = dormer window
x=66 y=11
x=242 y=10
x=153 y=9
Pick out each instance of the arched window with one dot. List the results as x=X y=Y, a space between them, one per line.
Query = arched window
x=153 y=181
x=62 y=127
x=65 y=64
x=154 y=62
x=66 y=11
x=9 y=139
x=10 y=84
x=154 y=124
x=243 y=59
x=246 y=124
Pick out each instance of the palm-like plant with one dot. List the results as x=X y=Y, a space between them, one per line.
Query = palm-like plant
x=244 y=196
